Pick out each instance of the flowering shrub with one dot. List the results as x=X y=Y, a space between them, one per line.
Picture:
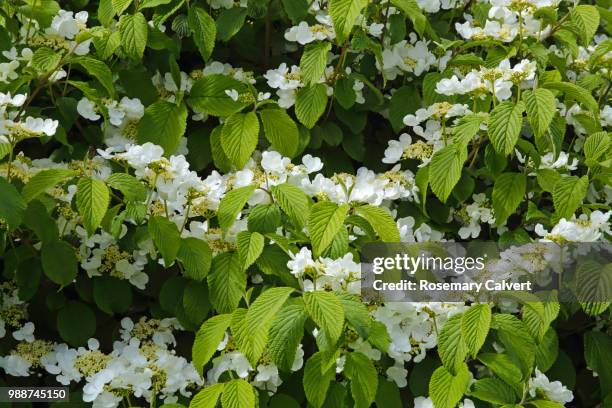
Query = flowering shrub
x=186 y=186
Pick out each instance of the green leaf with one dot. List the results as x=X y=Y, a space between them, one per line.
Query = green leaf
x=446 y=389
x=230 y=22
x=364 y=379
x=317 y=377
x=286 y=334
x=508 y=192
x=112 y=295
x=134 y=32
x=226 y=282
x=166 y=237
x=494 y=391
x=596 y=145
x=381 y=221
x=203 y=30
x=238 y=394
x=594 y=287
x=324 y=222
x=92 y=199
x=208 y=338
x=106 y=12
x=452 y=348
x=586 y=19
x=345 y=94
x=296 y=10
x=208 y=95
x=293 y=201
x=445 y=170
x=568 y=194
x=541 y=107
x=326 y=311
x=196 y=257
x=356 y=313
x=466 y=128
x=44 y=180
x=475 y=325
x=505 y=126
x=208 y=397
x=344 y=13
x=519 y=344
x=59 y=262
x=38 y=220
x=195 y=305
x=574 y=92
x=119 y=6
x=250 y=245
x=310 y=103
x=280 y=130
x=597 y=353
x=67 y=318
x=264 y=218
x=412 y=10
x=547 y=350
x=45 y=60
x=131 y=188
x=231 y=205
x=503 y=366
x=239 y=137
x=313 y=62
x=163 y=124
x=547 y=179
x=98 y=70
x=253 y=334
x=12 y=205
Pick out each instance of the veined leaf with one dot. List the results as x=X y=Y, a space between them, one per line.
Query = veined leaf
x=541 y=107
x=381 y=221
x=505 y=126
x=293 y=201
x=44 y=180
x=92 y=199
x=446 y=389
x=134 y=32
x=203 y=30
x=310 y=103
x=325 y=219
x=568 y=194
x=314 y=61
x=226 y=282
x=508 y=192
x=239 y=137
x=343 y=14
x=163 y=124
x=475 y=325
x=231 y=205
x=208 y=338
x=445 y=170
x=280 y=130
x=238 y=394
x=326 y=311
x=166 y=237
x=253 y=334
x=364 y=379
x=250 y=245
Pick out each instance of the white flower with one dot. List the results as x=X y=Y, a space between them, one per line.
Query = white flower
x=15 y=365
x=554 y=391
x=398 y=374
x=423 y=402
x=87 y=109
x=232 y=93
x=26 y=333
